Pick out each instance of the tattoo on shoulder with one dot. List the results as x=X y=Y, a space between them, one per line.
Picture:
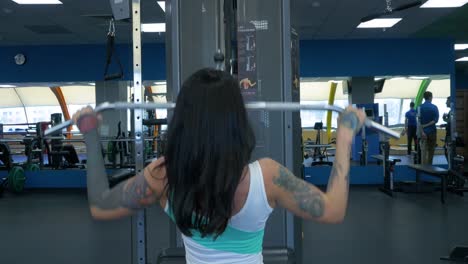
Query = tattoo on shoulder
x=307 y=200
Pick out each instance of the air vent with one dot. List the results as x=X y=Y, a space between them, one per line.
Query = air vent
x=48 y=29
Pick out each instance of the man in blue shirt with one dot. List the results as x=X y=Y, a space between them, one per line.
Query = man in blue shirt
x=410 y=127
x=429 y=114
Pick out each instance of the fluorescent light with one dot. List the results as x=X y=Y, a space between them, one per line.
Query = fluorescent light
x=159 y=83
x=397 y=78
x=461 y=46
x=380 y=23
x=377 y=79
x=153 y=27
x=162 y=4
x=7 y=86
x=37 y=2
x=463 y=59
x=444 y=3
x=92 y=84
x=418 y=77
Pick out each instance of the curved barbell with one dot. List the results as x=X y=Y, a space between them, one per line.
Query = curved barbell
x=267 y=106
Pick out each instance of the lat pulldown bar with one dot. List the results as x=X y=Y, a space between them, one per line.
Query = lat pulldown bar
x=267 y=106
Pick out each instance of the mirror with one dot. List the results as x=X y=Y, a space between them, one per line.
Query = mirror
x=394 y=92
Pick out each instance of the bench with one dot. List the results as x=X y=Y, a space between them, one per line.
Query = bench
x=433 y=171
x=270 y=256
x=392 y=159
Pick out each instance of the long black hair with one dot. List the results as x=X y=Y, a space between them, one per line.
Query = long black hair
x=209 y=143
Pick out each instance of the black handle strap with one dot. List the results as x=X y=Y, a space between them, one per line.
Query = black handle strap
x=110 y=52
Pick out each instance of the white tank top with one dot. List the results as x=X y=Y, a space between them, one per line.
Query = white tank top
x=242 y=240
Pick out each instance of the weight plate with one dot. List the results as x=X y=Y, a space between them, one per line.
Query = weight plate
x=33 y=167
x=16 y=179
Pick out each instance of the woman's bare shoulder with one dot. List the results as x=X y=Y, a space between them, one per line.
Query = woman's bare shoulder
x=269 y=169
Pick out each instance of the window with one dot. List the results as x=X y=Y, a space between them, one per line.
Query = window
x=397 y=95
x=41 y=113
x=405 y=108
x=309 y=118
x=12 y=116
x=160 y=89
x=440 y=103
x=393 y=109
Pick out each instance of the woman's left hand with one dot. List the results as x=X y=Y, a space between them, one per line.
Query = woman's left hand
x=86 y=119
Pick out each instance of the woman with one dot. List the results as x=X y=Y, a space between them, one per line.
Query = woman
x=205 y=183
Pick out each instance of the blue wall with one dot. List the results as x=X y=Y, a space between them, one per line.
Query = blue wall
x=363 y=175
x=319 y=58
x=76 y=63
x=332 y=58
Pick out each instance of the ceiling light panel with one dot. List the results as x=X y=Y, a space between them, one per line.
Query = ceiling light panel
x=37 y=2
x=162 y=4
x=444 y=3
x=380 y=23
x=461 y=46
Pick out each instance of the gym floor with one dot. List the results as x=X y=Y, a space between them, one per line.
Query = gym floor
x=55 y=227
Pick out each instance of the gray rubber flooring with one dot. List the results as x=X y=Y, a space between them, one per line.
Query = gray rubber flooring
x=410 y=228
x=55 y=227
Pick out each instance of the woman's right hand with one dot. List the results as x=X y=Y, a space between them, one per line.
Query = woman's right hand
x=352 y=119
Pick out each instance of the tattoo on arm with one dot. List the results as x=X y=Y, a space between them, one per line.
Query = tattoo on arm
x=333 y=175
x=133 y=194
x=307 y=200
x=338 y=169
x=348 y=154
x=350 y=120
x=137 y=193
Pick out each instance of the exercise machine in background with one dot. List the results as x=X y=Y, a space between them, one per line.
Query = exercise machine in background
x=318 y=151
x=366 y=142
x=388 y=163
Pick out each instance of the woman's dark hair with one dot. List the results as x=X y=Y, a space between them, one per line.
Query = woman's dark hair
x=209 y=143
